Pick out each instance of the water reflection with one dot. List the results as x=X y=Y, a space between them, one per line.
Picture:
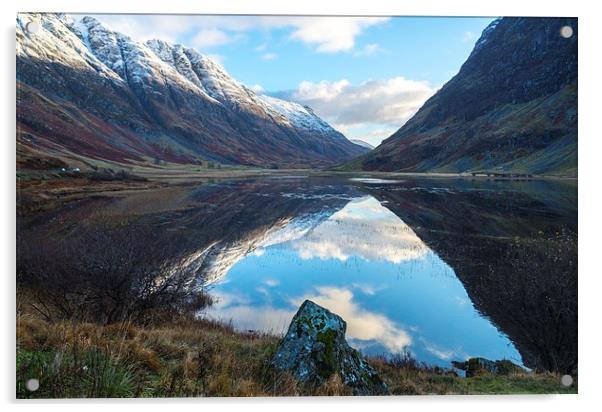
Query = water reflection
x=362 y=229
x=513 y=245
x=448 y=269
x=367 y=265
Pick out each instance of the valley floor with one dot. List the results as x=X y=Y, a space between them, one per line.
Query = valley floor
x=45 y=189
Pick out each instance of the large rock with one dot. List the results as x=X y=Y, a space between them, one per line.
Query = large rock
x=315 y=348
x=482 y=366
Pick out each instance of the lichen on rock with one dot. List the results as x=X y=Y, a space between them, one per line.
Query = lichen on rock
x=315 y=348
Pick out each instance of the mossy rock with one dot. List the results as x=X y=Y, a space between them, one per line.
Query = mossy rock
x=482 y=366
x=315 y=348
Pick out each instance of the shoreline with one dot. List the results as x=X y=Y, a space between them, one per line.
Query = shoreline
x=42 y=189
x=176 y=175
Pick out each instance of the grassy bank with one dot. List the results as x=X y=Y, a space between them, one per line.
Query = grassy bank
x=203 y=358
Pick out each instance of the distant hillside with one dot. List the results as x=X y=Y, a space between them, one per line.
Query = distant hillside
x=362 y=143
x=511 y=107
x=86 y=90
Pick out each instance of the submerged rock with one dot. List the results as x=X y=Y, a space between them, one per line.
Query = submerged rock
x=315 y=348
x=482 y=366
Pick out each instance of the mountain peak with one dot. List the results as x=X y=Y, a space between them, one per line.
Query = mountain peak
x=485 y=34
x=135 y=101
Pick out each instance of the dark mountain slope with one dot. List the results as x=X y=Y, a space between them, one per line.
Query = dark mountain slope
x=511 y=107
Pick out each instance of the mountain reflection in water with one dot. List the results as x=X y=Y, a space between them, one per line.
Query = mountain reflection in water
x=365 y=264
x=444 y=268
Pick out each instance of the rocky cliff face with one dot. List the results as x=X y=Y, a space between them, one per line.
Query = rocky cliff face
x=512 y=107
x=85 y=89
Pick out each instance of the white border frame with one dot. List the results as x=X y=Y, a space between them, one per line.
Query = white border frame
x=590 y=151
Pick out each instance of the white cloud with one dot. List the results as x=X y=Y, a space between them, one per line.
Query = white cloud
x=269 y=56
x=468 y=37
x=223 y=299
x=210 y=38
x=376 y=108
x=145 y=27
x=257 y=88
x=362 y=229
x=326 y=34
x=441 y=353
x=390 y=101
x=271 y=282
x=250 y=317
x=369 y=50
x=262 y=290
x=321 y=92
x=332 y=34
x=366 y=288
x=363 y=326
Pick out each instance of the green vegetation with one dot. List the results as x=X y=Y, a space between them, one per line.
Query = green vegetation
x=328 y=366
x=185 y=358
x=89 y=374
x=405 y=376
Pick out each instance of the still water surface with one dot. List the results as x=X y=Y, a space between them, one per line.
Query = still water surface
x=444 y=268
x=365 y=264
x=359 y=259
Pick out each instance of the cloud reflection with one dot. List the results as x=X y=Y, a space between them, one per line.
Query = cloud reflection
x=364 y=229
x=246 y=315
x=363 y=327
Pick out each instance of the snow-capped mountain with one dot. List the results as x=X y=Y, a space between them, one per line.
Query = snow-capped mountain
x=213 y=79
x=91 y=91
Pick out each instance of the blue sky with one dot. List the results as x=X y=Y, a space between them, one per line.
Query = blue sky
x=364 y=75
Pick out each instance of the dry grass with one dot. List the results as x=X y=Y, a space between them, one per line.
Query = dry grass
x=405 y=376
x=204 y=358
x=191 y=358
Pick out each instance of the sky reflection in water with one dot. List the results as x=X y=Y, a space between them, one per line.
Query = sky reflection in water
x=368 y=266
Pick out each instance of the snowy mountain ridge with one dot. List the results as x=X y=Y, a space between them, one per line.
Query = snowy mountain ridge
x=179 y=88
x=118 y=51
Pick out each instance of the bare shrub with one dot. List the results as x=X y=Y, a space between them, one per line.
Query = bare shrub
x=108 y=272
